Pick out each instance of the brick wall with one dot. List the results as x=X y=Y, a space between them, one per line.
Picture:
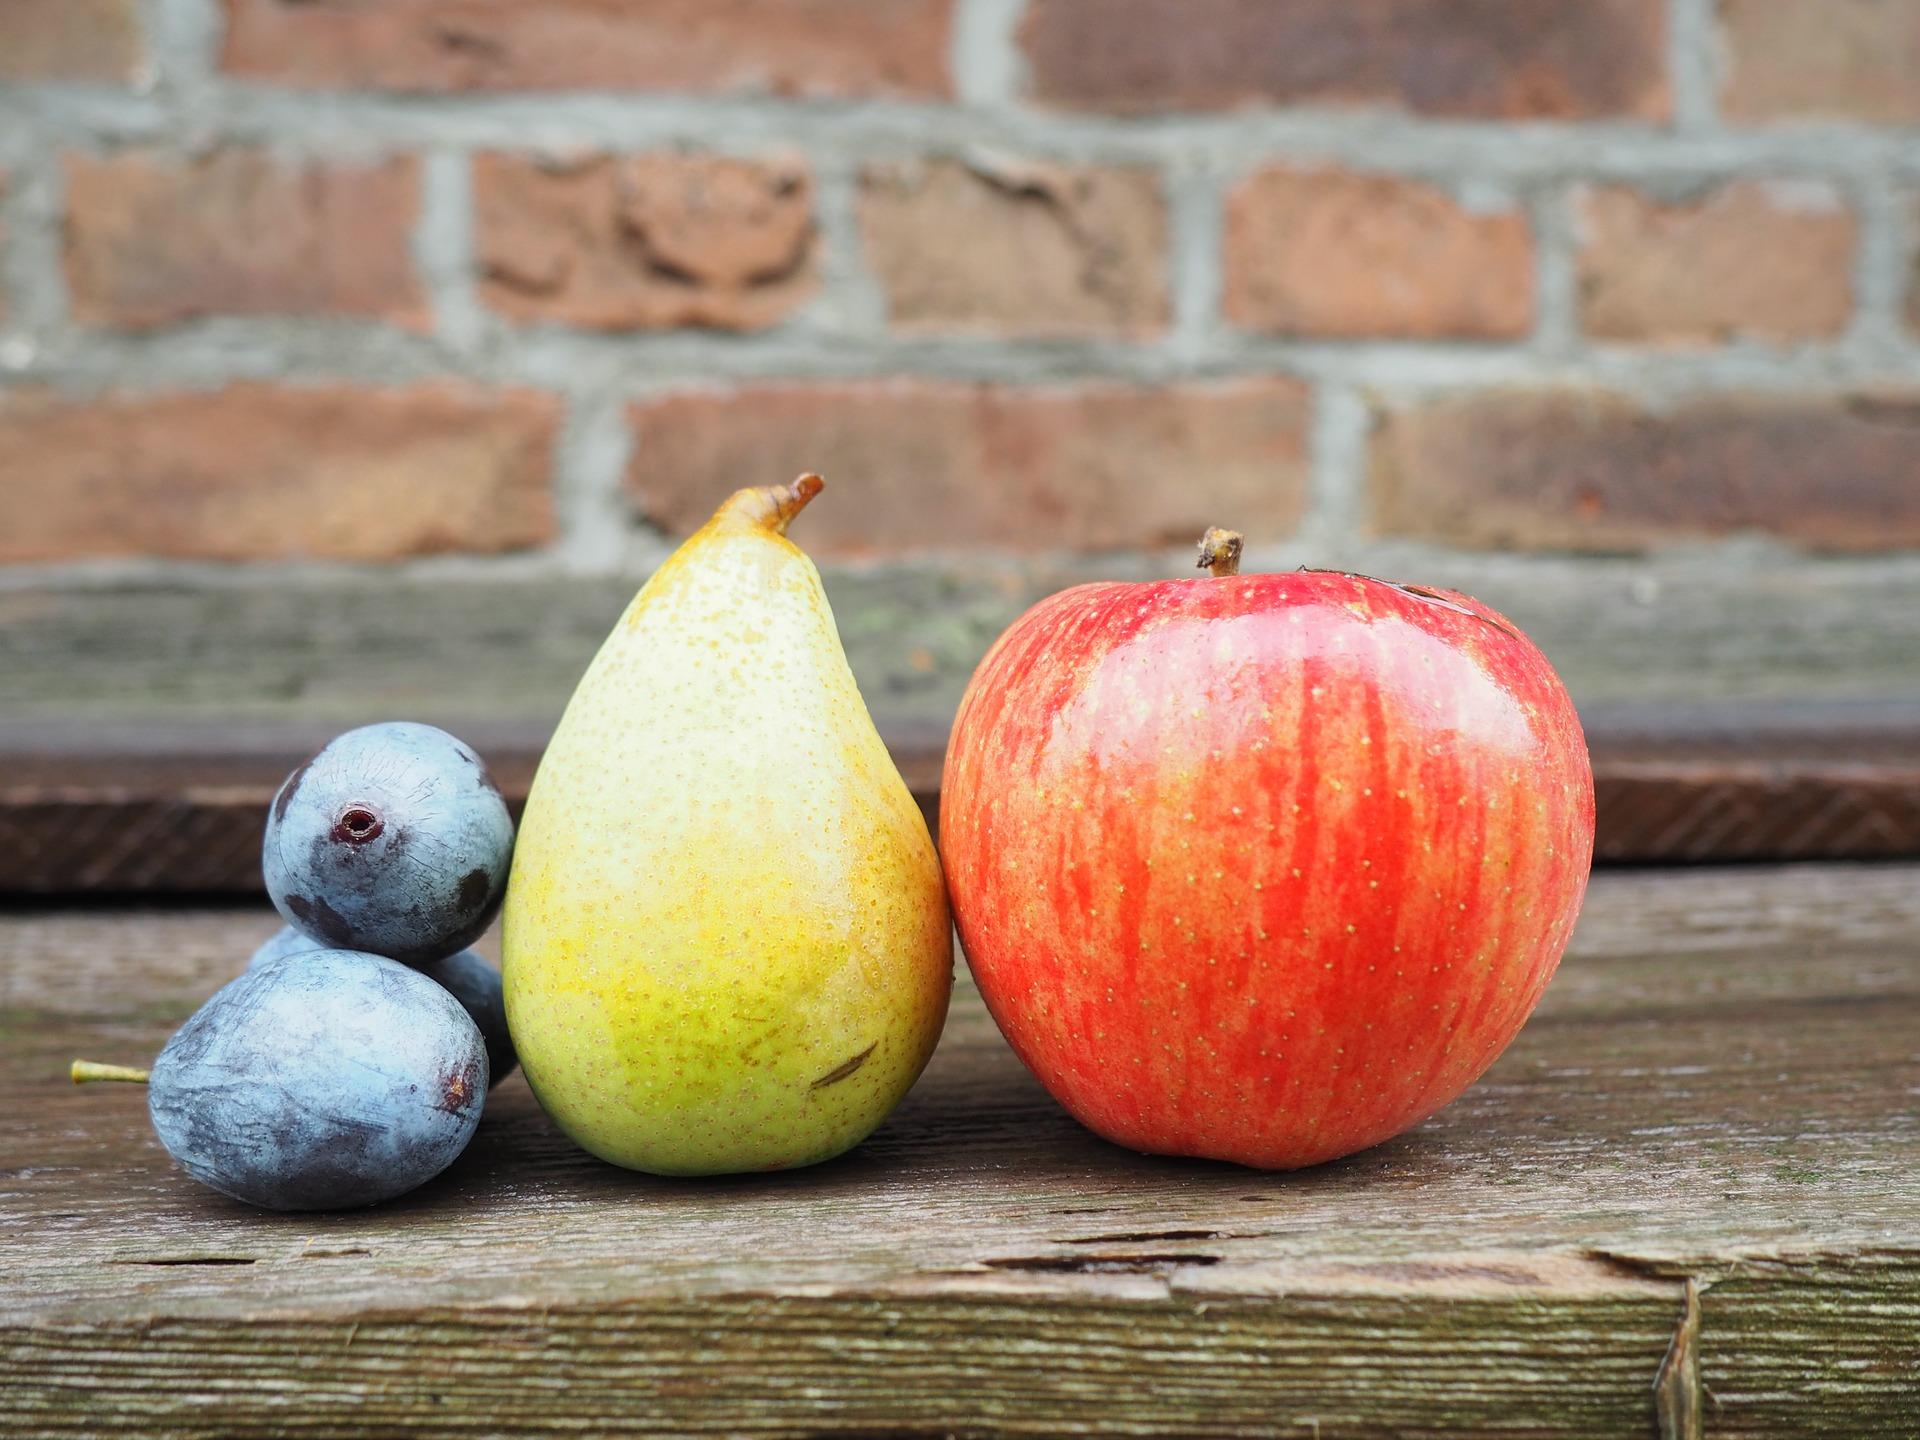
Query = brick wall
x=347 y=282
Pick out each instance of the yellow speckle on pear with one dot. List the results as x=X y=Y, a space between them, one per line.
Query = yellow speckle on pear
x=726 y=941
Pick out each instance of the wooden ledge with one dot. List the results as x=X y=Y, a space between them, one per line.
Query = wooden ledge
x=179 y=808
x=1766 y=715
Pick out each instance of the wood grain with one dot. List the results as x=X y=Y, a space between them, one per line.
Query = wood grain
x=1772 y=714
x=332 y=650
x=89 y=808
x=1721 y=1087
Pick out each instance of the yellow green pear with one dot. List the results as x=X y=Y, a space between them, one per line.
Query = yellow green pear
x=726 y=941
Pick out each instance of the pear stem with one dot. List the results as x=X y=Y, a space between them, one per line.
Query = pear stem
x=1220 y=551
x=84 y=1070
x=769 y=507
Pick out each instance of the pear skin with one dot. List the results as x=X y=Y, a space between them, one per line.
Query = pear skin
x=726 y=941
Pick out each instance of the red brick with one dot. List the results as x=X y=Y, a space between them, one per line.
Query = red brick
x=1488 y=59
x=1830 y=60
x=256 y=471
x=1767 y=260
x=782 y=47
x=928 y=464
x=1328 y=253
x=1581 y=471
x=645 y=241
x=1017 y=247
x=70 y=40
x=153 y=239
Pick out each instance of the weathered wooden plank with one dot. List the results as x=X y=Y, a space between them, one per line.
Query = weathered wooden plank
x=120 y=810
x=1756 y=780
x=179 y=807
x=222 y=686
x=329 y=652
x=1721 y=1085
x=926 y=1365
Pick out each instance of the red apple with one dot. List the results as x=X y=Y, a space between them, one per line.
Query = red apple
x=1264 y=868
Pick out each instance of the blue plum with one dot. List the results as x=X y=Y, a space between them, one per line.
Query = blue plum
x=286 y=941
x=476 y=985
x=393 y=840
x=320 y=1081
x=465 y=976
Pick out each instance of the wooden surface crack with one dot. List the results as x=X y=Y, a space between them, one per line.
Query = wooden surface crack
x=1678 y=1398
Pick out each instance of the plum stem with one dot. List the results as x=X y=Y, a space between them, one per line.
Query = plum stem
x=84 y=1070
x=769 y=507
x=1220 y=551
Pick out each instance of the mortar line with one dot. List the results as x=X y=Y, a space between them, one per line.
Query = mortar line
x=1196 y=259
x=17 y=345
x=1904 y=228
x=1552 y=208
x=152 y=74
x=212 y=352
x=1881 y=269
x=987 y=66
x=596 y=534
x=851 y=301
x=443 y=248
x=1693 y=66
x=1683 y=562
x=1337 y=471
x=35 y=281
x=183 y=41
x=224 y=111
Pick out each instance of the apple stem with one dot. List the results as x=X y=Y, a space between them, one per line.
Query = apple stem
x=1220 y=551
x=769 y=507
x=82 y=1071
